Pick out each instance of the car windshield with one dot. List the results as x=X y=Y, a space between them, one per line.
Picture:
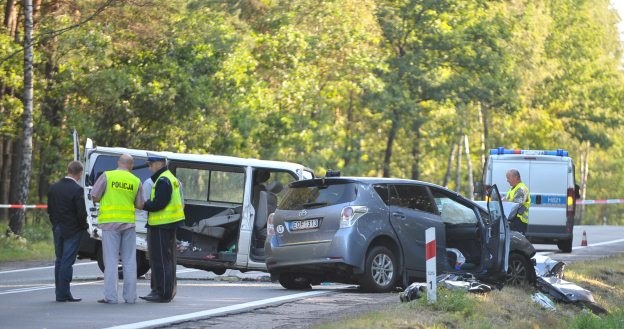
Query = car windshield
x=307 y=197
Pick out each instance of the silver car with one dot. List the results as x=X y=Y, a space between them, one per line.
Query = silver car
x=371 y=232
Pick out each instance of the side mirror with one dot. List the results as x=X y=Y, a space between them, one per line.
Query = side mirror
x=577 y=194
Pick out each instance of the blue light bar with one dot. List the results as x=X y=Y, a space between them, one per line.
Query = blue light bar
x=502 y=150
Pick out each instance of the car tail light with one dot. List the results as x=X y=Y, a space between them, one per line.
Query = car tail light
x=270 y=227
x=571 y=203
x=350 y=215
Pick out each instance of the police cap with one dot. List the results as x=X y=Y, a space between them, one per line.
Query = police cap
x=154 y=157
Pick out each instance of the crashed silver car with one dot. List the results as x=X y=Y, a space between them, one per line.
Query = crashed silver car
x=371 y=232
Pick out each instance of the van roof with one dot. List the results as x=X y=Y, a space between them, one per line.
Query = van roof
x=205 y=158
x=502 y=150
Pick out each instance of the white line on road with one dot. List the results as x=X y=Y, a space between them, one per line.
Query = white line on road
x=40 y=268
x=216 y=311
x=599 y=244
x=49 y=286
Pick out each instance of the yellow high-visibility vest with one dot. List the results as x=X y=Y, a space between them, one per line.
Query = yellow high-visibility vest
x=117 y=203
x=524 y=216
x=174 y=211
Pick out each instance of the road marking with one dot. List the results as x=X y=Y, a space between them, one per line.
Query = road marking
x=546 y=253
x=41 y=268
x=217 y=311
x=44 y=287
x=600 y=244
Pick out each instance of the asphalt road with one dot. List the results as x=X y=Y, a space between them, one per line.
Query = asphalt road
x=203 y=300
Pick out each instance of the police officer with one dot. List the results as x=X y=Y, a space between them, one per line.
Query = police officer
x=118 y=194
x=165 y=209
x=519 y=193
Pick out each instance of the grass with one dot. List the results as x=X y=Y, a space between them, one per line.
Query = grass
x=510 y=307
x=35 y=243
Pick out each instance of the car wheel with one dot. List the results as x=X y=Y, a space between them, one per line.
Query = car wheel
x=143 y=264
x=519 y=271
x=381 y=271
x=294 y=282
x=218 y=271
x=565 y=245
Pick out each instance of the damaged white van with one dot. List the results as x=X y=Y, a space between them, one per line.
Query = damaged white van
x=226 y=203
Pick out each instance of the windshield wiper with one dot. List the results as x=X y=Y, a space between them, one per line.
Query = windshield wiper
x=314 y=204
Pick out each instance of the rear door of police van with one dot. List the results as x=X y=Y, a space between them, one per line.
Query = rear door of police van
x=548 y=184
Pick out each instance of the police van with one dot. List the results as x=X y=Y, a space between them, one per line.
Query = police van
x=549 y=175
x=227 y=201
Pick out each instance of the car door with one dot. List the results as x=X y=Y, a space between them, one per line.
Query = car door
x=496 y=230
x=412 y=211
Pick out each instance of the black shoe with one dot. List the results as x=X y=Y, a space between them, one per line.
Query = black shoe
x=70 y=299
x=152 y=293
x=155 y=299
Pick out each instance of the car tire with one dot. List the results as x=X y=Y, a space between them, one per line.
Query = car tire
x=520 y=271
x=381 y=272
x=565 y=245
x=293 y=282
x=218 y=271
x=143 y=264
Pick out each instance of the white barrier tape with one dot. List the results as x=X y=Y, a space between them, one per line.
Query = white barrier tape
x=24 y=206
x=607 y=201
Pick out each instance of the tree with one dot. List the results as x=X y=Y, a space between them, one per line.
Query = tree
x=17 y=219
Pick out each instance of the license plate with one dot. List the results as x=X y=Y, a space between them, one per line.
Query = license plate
x=306 y=224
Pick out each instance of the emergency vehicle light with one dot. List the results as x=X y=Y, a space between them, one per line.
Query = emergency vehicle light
x=502 y=150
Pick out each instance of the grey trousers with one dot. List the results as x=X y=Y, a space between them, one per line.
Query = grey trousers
x=115 y=244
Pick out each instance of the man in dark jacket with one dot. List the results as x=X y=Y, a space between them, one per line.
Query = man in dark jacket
x=68 y=215
x=165 y=213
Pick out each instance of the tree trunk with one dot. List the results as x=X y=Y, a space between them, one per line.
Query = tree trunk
x=483 y=115
x=389 y=143
x=10 y=17
x=349 y=143
x=449 y=165
x=458 y=165
x=17 y=221
x=469 y=168
x=416 y=153
x=3 y=178
x=584 y=175
x=14 y=174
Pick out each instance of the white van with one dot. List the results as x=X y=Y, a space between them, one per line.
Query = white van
x=549 y=176
x=227 y=201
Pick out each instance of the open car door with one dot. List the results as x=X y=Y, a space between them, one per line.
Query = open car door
x=497 y=236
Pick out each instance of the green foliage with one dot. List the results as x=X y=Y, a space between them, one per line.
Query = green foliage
x=371 y=87
x=451 y=301
x=588 y=320
x=35 y=243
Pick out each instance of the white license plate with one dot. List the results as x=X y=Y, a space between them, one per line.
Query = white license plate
x=306 y=224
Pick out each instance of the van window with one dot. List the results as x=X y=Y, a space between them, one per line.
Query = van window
x=109 y=162
x=212 y=185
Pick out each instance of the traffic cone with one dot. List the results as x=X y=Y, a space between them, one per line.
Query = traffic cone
x=584 y=241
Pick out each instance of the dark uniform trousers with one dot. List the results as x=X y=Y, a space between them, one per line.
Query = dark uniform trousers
x=161 y=244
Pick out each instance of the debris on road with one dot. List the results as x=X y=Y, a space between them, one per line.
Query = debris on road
x=549 y=281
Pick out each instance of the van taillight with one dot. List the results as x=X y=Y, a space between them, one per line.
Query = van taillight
x=571 y=203
x=270 y=227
